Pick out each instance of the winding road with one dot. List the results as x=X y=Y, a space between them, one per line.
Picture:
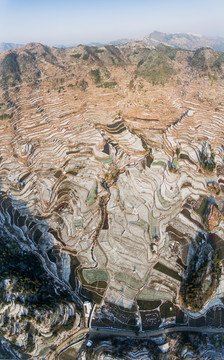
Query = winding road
x=82 y=333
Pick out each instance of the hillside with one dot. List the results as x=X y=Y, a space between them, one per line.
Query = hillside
x=111 y=191
x=132 y=75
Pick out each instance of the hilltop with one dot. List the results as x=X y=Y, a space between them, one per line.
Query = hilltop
x=143 y=81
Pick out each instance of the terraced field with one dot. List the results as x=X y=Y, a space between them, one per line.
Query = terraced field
x=117 y=191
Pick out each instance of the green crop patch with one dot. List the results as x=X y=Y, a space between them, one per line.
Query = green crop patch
x=91 y=295
x=160 y=163
x=130 y=281
x=148 y=305
x=167 y=271
x=167 y=310
x=95 y=275
x=108 y=160
x=186 y=157
x=202 y=208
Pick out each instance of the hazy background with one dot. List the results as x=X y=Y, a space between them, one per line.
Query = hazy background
x=72 y=22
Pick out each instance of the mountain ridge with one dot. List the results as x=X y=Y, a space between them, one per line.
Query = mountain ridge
x=181 y=40
x=185 y=41
x=7 y=46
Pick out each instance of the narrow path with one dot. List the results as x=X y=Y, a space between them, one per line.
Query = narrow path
x=69 y=342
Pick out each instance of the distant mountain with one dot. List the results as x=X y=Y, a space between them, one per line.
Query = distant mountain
x=184 y=41
x=118 y=42
x=7 y=46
